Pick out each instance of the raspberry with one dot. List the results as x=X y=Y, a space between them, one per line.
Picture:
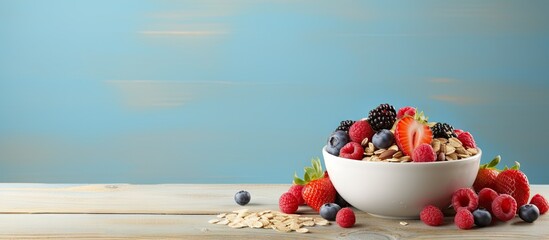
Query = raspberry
x=410 y=111
x=541 y=203
x=345 y=218
x=352 y=150
x=485 y=198
x=297 y=191
x=467 y=139
x=360 y=130
x=465 y=198
x=504 y=207
x=431 y=216
x=288 y=203
x=464 y=219
x=458 y=131
x=424 y=153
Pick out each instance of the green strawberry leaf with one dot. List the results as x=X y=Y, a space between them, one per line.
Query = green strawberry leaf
x=316 y=165
x=307 y=177
x=310 y=172
x=517 y=166
x=298 y=180
x=494 y=162
x=514 y=167
x=420 y=117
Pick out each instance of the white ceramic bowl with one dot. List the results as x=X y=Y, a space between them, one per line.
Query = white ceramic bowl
x=399 y=190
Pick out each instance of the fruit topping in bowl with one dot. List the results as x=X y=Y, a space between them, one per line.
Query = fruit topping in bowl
x=399 y=136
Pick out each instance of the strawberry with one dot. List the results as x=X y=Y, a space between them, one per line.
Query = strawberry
x=515 y=183
x=411 y=132
x=487 y=174
x=318 y=189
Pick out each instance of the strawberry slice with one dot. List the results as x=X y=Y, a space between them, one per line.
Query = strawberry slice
x=410 y=133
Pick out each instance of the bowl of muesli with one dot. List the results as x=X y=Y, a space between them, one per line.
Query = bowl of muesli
x=392 y=164
x=399 y=189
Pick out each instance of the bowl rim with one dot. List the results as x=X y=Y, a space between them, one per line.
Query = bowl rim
x=405 y=164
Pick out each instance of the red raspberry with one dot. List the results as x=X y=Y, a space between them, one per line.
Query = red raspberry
x=504 y=207
x=458 y=131
x=345 y=218
x=424 y=153
x=485 y=198
x=464 y=219
x=467 y=139
x=465 y=198
x=410 y=111
x=297 y=191
x=431 y=216
x=359 y=130
x=541 y=203
x=352 y=150
x=288 y=203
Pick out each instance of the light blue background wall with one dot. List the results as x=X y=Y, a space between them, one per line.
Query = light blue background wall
x=247 y=91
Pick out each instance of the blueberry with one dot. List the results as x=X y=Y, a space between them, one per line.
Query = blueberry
x=529 y=212
x=329 y=211
x=482 y=217
x=336 y=141
x=383 y=139
x=242 y=197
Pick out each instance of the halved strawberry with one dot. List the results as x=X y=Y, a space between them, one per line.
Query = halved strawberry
x=410 y=133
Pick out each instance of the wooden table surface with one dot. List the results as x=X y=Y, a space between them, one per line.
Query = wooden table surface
x=107 y=211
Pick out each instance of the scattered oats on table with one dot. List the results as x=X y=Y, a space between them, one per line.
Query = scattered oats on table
x=267 y=219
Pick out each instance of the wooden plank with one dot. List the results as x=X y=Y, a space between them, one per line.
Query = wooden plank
x=142 y=199
x=182 y=211
x=113 y=226
x=127 y=198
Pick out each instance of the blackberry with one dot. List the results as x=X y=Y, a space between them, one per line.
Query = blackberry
x=443 y=130
x=382 y=117
x=345 y=125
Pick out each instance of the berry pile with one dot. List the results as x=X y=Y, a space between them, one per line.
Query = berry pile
x=406 y=135
x=317 y=191
x=501 y=196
